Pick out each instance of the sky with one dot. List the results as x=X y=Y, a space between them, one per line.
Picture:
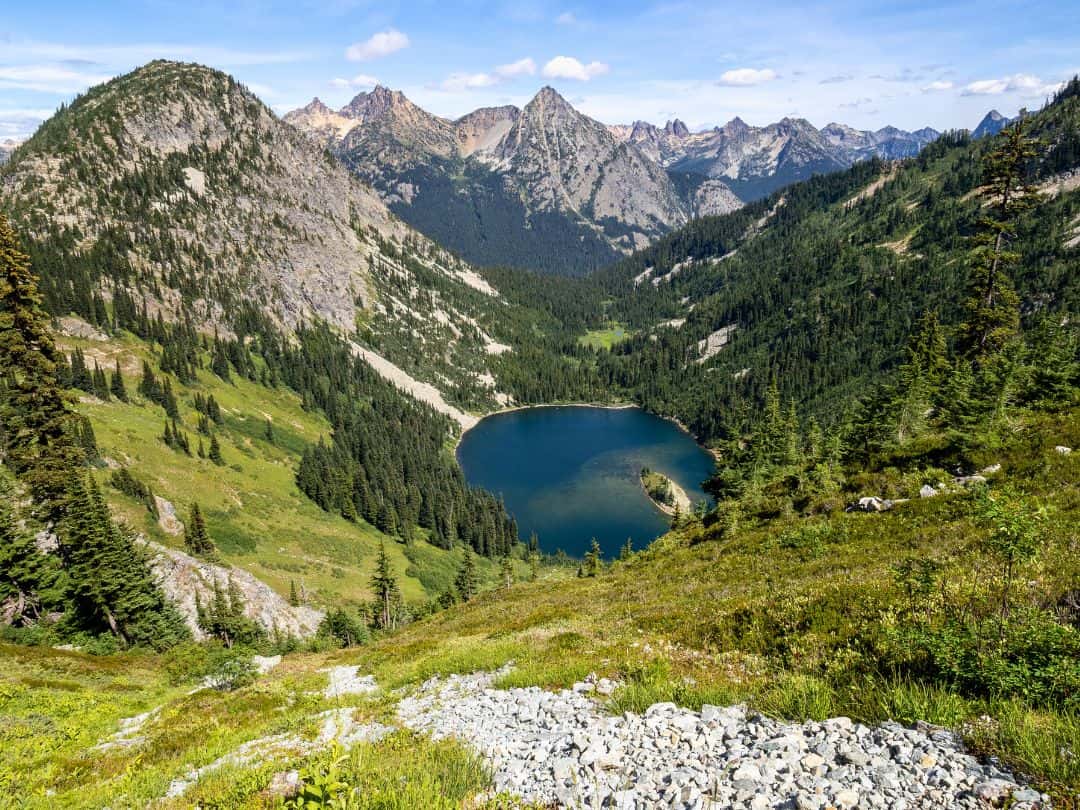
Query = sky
x=908 y=63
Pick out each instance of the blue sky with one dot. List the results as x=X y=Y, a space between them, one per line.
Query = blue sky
x=910 y=64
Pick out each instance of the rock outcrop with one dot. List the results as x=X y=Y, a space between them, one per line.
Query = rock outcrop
x=185 y=579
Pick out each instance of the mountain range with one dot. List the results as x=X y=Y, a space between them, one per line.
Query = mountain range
x=547 y=187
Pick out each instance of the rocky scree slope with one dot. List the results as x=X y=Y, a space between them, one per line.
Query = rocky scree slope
x=560 y=749
x=178 y=186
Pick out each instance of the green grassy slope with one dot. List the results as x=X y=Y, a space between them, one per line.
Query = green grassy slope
x=255 y=513
x=793 y=616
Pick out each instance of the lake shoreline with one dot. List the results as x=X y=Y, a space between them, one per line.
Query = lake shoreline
x=513 y=408
x=605 y=406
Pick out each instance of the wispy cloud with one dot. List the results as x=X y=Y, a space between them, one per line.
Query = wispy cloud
x=566 y=18
x=938 y=86
x=459 y=82
x=746 y=77
x=567 y=67
x=377 y=46
x=74 y=56
x=48 y=78
x=356 y=82
x=463 y=81
x=1023 y=84
x=838 y=79
x=522 y=67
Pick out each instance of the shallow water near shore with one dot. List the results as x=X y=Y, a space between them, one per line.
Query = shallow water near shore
x=570 y=473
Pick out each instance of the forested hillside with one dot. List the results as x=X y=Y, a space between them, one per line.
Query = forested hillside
x=819 y=286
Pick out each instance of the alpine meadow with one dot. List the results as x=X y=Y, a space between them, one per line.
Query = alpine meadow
x=787 y=512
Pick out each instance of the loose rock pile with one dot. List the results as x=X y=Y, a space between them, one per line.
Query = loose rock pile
x=559 y=748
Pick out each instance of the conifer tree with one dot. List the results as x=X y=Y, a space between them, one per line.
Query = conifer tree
x=109 y=581
x=294 y=597
x=215 y=450
x=116 y=384
x=383 y=584
x=993 y=307
x=591 y=566
x=36 y=422
x=627 y=550
x=268 y=433
x=30 y=581
x=100 y=384
x=466 y=583
x=506 y=569
x=534 y=565
x=197 y=540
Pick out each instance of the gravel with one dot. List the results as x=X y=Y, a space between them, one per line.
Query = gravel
x=560 y=748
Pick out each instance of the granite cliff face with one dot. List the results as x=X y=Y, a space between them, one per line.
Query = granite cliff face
x=7 y=146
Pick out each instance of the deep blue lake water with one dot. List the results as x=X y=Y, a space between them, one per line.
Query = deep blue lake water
x=571 y=473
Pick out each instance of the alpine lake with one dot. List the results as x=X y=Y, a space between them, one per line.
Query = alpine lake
x=572 y=473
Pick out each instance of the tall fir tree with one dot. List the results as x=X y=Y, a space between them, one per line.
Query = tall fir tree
x=384 y=585
x=31 y=582
x=466 y=581
x=116 y=384
x=197 y=540
x=993 y=307
x=37 y=425
x=109 y=582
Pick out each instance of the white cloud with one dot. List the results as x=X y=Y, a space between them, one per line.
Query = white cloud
x=462 y=81
x=48 y=79
x=522 y=67
x=746 y=77
x=1023 y=83
x=459 y=82
x=382 y=44
x=360 y=81
x=567 y=67
x=566 y=18
x=938 y=87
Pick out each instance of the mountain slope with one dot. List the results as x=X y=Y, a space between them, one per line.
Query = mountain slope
x=174 y=189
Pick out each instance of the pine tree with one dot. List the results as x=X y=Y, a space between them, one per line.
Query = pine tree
x=294 y=597
x=383 y=584
x=100 y=384
x=534 y=565
x=593 y=557
x=993 y=307
x=197 y=540
x=506 y=569
x=215 y=451
x=110 y=585
x=627 y=551
x=466 y=583
x=36 y=422
x=116 y=384
x=30 y=581
x=268 y=433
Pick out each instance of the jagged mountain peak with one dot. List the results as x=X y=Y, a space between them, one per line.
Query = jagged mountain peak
x=376 y=102
x=677 y=128
x=992 y=123
x=316 y=105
